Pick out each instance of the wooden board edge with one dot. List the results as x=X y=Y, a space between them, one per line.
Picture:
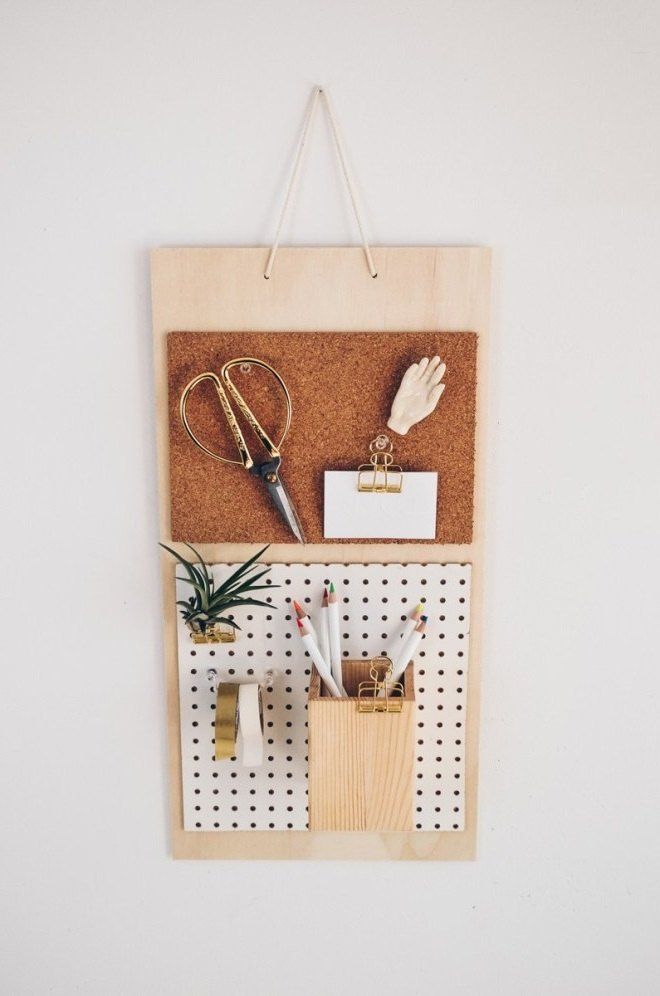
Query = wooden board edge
x=314 y=845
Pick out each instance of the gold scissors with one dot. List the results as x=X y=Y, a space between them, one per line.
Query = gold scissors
x=269 y=470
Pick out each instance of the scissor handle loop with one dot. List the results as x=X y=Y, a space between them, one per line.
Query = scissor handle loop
x=272 y=448
x=219 y=383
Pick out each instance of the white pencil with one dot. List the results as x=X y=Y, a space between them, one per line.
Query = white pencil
x=324 y=629
x=408 y=650
x=300 y=612
x=335 y=638
x=314 y=652
x=400 y=641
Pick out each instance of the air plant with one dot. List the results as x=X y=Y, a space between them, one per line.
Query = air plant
x=208 y=605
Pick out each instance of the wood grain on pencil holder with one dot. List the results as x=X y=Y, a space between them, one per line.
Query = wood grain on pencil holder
x=360 y=764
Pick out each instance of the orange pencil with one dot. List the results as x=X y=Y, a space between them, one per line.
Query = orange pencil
x=304 y=617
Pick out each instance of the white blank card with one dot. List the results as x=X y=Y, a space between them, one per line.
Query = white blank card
x=353 y=514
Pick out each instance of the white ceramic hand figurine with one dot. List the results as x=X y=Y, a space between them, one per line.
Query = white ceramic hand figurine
x=418 y=394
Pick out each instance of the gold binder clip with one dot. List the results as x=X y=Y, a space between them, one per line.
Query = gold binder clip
x=381 y=475
x=370 y=698
x=215 y=633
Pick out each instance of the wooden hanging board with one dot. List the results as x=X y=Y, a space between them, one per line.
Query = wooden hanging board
x=327 y=290
x=341 y=395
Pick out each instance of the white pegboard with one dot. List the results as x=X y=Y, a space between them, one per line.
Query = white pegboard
x=374 y=600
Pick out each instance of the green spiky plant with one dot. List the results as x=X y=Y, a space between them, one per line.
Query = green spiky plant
x=209 y=605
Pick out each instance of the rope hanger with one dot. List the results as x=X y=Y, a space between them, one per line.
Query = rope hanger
x=318 y=95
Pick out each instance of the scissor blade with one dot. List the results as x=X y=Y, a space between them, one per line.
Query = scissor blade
x=280 y=496
x=286 y=508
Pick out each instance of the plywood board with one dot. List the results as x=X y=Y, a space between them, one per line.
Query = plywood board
x=342 y=390
x=328 y=290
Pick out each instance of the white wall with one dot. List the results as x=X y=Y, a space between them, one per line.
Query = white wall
x=532 y=127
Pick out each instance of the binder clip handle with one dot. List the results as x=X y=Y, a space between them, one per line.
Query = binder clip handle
x=381 y=475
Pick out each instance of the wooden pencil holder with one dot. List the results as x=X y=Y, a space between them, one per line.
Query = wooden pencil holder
x=360 y=763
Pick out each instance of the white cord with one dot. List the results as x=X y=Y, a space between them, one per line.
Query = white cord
x=319 y=92
x=349 y=184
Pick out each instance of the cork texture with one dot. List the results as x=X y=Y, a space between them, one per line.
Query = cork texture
x=342 y=386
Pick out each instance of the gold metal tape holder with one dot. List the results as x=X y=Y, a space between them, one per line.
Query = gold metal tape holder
x=226 y=720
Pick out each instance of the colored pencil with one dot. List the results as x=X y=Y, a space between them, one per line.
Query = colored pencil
x=399 y=641
x=408 y=650
x=302 y=614
x=335 y=637
x=312 y=649
x=324 y=630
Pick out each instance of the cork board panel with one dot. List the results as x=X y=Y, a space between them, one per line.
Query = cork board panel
x=342 y=385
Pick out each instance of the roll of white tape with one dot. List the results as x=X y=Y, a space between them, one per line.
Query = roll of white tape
x=250 y=725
